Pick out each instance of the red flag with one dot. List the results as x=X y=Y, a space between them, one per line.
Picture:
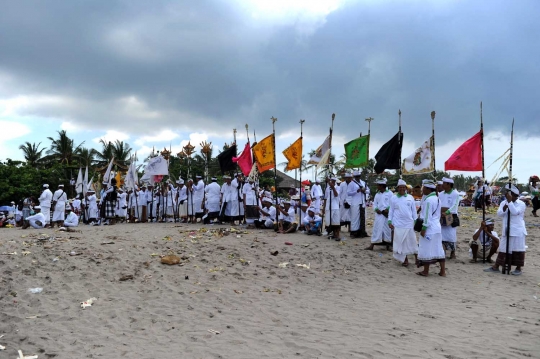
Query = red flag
x=244 y=160
x=468 y=157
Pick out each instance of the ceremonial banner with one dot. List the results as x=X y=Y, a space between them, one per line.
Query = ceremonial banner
x=107 y=176
x=322 y=152
x=244 y=161
x=422 y=160
x=85 y=181
x=264 y=154
x=157 y=166
x=357 y=152
x=468 y=157
x=225 y=159
x=293 y=154
x=79 y=183
x=388 y=155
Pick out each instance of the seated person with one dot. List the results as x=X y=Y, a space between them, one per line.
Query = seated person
x=302 y=213
x=71 y=218
x=37 y=221
x=3 y=220
x=287 y=221
x=312 y=222
x=268 y=214
x=491 y=241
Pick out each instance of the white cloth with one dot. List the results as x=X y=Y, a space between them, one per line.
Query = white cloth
x=213 y=193
x=120 y=204
x=404 y=243
x=249 y=195
x=331 y=217
x=450 y=200
x=45 y=198
x=289 y=217
x=198 y=195
x=36 y=217
x=71 y=220
x=517 y=244
x=269 y=216
x=429 y=249
x=517 y=221
x=381 y=232
x=230 y=196
x=402 y=212
x=430 y=246
x=76 y=205
x=316 y=194
x=60 y=207
x=345 y=213
x=92 y=207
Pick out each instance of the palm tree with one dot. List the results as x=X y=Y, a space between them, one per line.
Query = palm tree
x=32 y=153
x=121 y=152
x=106 y=154
x=62 y=149
x=87 y=156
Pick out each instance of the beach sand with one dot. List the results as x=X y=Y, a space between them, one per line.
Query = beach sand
x=229 y=298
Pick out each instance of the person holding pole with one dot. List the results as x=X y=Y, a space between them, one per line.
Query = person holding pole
x=534 y=189
x=449 y=198
x=330 y=211
x=512 y=212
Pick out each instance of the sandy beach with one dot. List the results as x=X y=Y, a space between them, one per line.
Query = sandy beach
x=230 y=298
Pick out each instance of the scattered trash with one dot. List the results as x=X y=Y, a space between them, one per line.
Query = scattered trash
x=73 y=253
x=62 y=229
x=170 y=259
x=88 y=302
x=35 y=290
x=21 y=356
x=274 y=253
x=167 y=238
x=33 y=316
x=305 y=245
x=238 y=291
x=110 y=242
x=238 y=236
x=56 y=259
x=288 y=243
x=126 y=277
x=2 y=347
x=25 y=253
x=307 y=266
x=380 y=254
x=186 y=277
x=213 y=331
x=283 y=265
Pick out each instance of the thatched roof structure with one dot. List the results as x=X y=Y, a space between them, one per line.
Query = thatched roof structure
x=287 y=181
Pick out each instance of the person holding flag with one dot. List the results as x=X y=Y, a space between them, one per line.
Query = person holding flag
x=331 y=212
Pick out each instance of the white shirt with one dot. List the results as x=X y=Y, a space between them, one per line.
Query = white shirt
x=315 y=218
x=213 y=192
x=181 y=193
x=316 y=191
x=60 y=197
x=450 y=200
x=402 y=212
x=354 y=197
x=45 y=198
x=71 y=220
x=271 y=213
x=289 y=217
x=198 y=190
x=382 y=200
x=517 y=213
x=431 y=214
x=488 y=238
x=229 y=192
x=249 y=191
x=37 y=217
x=331 y=199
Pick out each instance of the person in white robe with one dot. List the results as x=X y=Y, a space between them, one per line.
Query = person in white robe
x=382 y=234
x=515 y=208
x=151 y=203
x=59 y=200
x=430 y=249
x=482 y=194
x=356 y=198
x=287 y=221
x=302 y=214
x=239 y=182
x=344 y=205
x=93 y=211
x=170 y=202
x=250 y=201
x=181 y=200
x=401 y=217
x=142 y=202
x=229 y=201
x=212 y=199
x=198 y=197
x=316 y=195
x=71 y=218
x=133 y=207
x=121 y=205
x=267 y=214
x=76 y=205
x=449 y=198
x=331 y=211
x=36 y=221
x=45 y=201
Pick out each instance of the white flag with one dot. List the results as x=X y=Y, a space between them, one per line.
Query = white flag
x=79 y=183
x=420 y=161
x=85 y=181
x=322 y=153
x=157 y=166
x=107 y=176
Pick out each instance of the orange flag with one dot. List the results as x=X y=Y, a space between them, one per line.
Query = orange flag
x=293 y=154
x=264 y=153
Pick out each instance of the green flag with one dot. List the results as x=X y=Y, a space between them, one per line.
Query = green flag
x=357 y=152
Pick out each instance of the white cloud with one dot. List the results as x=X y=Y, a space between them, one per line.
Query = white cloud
x=112 y=136
x=11 y=130
x=69 y=127
x=163 y=136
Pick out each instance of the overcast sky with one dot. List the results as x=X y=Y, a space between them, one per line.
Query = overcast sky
x=161 y=72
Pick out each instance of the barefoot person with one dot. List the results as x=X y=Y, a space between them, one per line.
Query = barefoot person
x=491 y=241
x=430 y=249
x=449 y=198
x=381 y=233
x=287 y=221
x=401 y=220
x=312 y=222
x=331 y=212
x=36 y=221
x=516 y=251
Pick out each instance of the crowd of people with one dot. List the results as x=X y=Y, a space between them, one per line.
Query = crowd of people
x=398 y=217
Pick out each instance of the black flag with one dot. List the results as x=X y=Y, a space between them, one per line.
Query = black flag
x=225 y=159
x=389 y=155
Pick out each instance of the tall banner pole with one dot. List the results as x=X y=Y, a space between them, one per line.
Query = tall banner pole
x=275 y=167
x=507 y=262
x=484 y=186
x=331 y=163
x=301 y=155
x=433 y=143
x=399 y=143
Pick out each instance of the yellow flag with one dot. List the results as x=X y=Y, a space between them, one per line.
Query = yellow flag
x=293 y=154
x=118 y=177
x=264 y=153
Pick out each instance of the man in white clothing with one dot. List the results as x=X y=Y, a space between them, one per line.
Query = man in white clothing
x=229 y=201
x=401 y=217
x=357 y=191
x=59 y=203
x=71 y=218
x=345 y=207
x=250 y=201
x=316 y=195
x=515 y=208
x=121 y=205
x=287 y=222
x=36 y=221
x=212 y=198
x=93 y=211
x=198 y=196
x=331 y=211
x=181 y=200
x=484 y=237
x=267 y=214
x=45 y=204
x=449 y=198
x=382 y=234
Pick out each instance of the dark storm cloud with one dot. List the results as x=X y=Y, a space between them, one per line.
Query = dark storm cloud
x=207 y=63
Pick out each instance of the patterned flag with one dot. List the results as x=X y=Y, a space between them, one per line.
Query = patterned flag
x=322 y=153
x=244 y=161
x=357 y=152
x=264 y=153
x=293 y=154
x=422 y=160
x=468 y=157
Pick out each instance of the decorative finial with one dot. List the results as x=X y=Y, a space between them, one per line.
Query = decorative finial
x=432 y=115
x=273 y=119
